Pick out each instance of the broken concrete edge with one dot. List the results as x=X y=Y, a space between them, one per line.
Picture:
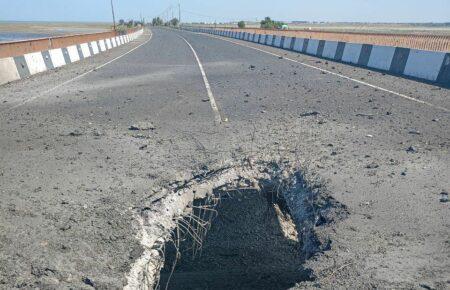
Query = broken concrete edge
x=20 y=67
x=424 y=65
x=310 y=205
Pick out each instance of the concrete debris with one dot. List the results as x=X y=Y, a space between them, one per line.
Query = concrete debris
x=88 y=282
x=308 y=114
x=444 y=197
x=142 y=126
x=414 y=132
x=412 y=149
x=372 y=165
x=74 y=133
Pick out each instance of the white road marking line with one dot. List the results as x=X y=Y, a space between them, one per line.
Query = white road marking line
x=334 y=73
x=75 y=78
x=214 y=106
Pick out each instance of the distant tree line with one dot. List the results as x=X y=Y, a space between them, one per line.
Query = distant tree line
x=159 y=22
x=268 y=23
x=130 y=23
x=123 y=25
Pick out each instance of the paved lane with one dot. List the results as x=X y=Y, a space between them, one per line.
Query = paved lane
x=73 y=174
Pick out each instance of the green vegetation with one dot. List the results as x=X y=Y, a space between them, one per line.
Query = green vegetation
x=157 y=21
x=268 y=23
x=123 y=25
x=174 y=22
x=241 y=24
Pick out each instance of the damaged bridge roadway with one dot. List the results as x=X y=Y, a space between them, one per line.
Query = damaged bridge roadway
x=86 y=148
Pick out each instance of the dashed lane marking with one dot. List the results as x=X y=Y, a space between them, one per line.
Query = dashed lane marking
x=218 y=116
x=331 y=73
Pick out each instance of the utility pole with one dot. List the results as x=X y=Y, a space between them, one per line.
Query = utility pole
x=179 y=12
x=114 y=16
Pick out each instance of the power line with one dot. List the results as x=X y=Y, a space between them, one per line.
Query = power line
x=170 y=11
x=210 y=16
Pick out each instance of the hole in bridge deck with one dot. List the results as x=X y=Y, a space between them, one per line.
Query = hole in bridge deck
x=251 y=244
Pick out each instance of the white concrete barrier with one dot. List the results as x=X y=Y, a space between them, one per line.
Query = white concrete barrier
x=8 y=70
x=381 y=57
x=17 y=67
x=352 y=52
x=329 y=50
x=85 y=50
x=424 y=64
x=73 y=53
x=94 y=46
x=102 y=45
x=262 y=39
x=35 y=62
x=277 y=42
x=57 y=57
x=298 y=45
x=287 y=43
x=108 y=43
x=313 y=45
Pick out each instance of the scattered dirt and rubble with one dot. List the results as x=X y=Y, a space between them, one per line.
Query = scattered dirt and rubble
x=97 y=175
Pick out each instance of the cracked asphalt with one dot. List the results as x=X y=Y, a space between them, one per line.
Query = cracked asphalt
x=73 y=174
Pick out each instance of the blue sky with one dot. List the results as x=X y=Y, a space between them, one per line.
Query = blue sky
x=226 y=10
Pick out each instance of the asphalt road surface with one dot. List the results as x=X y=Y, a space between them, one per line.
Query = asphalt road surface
x=72 y=173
